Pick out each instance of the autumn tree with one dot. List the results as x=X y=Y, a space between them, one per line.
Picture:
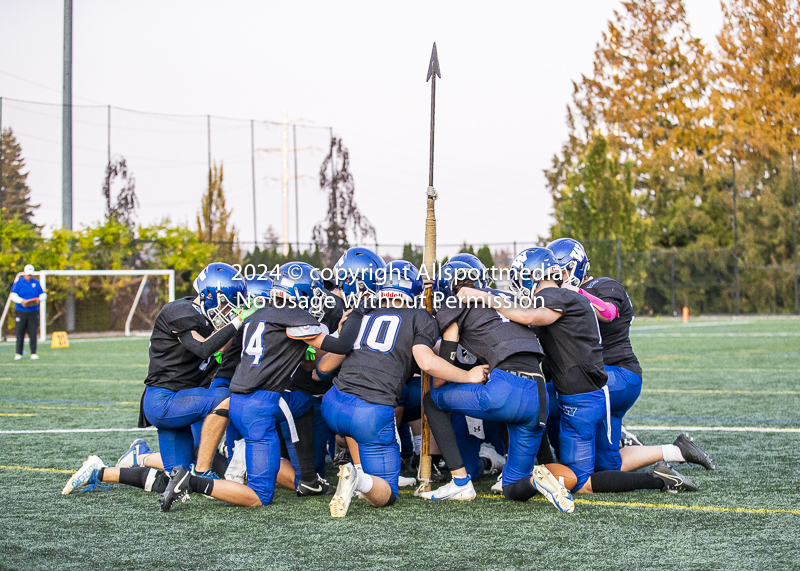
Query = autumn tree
x=213 y=221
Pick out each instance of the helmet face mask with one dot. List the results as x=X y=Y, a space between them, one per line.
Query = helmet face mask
x=530 y=268
x=571 y=256
x=220 y=292
x=301 y=283
x=357 y=274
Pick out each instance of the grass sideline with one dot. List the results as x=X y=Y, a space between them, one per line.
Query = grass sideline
x=728 y=374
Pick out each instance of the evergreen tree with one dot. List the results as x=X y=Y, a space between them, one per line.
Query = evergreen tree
x=223 y=233
x=125 y=208
x=15 y=199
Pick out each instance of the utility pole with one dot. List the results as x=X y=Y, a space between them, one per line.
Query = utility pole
x=66 y=149
x=794 y=238
x=296 y=193
x=335 y=250
x=253 y=172
x=208 y=118
x=735 y=243
x=109 y=134
x=284 y=149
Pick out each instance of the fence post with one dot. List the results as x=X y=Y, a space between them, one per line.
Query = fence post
x=619 y=260
x=735 y=243
x=672 y=279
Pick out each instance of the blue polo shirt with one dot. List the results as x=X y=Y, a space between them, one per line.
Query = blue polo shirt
x=27 y=290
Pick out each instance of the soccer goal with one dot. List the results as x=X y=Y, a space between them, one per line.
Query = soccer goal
x=42 y=275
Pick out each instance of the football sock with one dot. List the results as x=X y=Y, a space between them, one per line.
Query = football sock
x=417 y=444
x=365 y=483
x=305 y=446
x=201 y=485
x=461 y=481
x=520 y=491
x=442 y=430
x=672 y=453
x=486 y=464
x=545 y=454
x=100 y=474
x=611 y=481
x=136 y=477
x=358 y=468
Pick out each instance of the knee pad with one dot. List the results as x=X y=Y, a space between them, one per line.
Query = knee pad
x=156 y=481
x=392 y=500
x=223 y=412
x=520 y=491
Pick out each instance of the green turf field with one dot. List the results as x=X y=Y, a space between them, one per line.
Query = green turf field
x=719 y=375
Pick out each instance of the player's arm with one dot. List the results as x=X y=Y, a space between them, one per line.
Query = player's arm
x=512 y=311
x=437 y=367
x=340 y=345
x=204 y=347
x=328 y=364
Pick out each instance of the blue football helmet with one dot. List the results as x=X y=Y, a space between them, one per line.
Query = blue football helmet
x=530 y=267
x=476 y=263
x=222 y=289
x=456 y=272
x=400 y=280
x=259 y=288
x=297 y=280
x=571 y=256
x=357 y=273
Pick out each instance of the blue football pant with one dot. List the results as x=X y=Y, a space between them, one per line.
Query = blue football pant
x=624 y=387
x=256 y=416
x=173 y=413
x=372 y=426
x=504 y=398
x=583 y=420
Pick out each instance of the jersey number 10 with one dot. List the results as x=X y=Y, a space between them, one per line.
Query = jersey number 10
x=378 y=333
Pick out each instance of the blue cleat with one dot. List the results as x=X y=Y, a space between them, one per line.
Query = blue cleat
x=135 y=455
x=86 y=476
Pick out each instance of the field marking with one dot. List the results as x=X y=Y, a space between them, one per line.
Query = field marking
x=48 y=379
x=29 y=469
x=16 y=414
x=717 y=391
x=723 y=370
x=774 y=334
x=67 y=400
x=715 y=428
x=39 y=407
x=77 y=430
x=682 y=325
x=692 y=419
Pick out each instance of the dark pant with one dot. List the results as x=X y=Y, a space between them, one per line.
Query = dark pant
x=27 y=322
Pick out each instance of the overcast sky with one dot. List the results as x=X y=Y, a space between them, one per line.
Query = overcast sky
x=359 y=67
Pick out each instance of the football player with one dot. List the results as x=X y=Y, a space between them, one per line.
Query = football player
x=186 y=334
x=614 y=312
x=361 y=404
x=514 y=393
x=570 y=336
x=274 y=341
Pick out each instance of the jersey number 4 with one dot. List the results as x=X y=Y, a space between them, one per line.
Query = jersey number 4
x=254 y=346
x=378 y=333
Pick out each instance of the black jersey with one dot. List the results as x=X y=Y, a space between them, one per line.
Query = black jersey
x=231 y=357
x=382 y=358
x=172 y=366
x=302 y=379
x=488 y=335
x=268 y=355
x=617 y=350
x=572 y=343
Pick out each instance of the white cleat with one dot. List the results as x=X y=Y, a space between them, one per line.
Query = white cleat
x=497 y=461
x=553 y=490
x=34 y=357
x=85 y=476
x=497 y=488
x=405 y=482
x=237 y=467
x=17 y=357
x=135 y=455
x=348 y=482
x=452 y=491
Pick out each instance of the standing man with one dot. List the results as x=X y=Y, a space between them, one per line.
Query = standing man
x=26 y=293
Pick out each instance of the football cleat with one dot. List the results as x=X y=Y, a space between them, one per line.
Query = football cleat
x=553 y=490
x=673 y=481
x=34 y=357
x=629 y=439
x=17 y=357
x=86 y=476
x=692 y=453
x=319 y=487
x=497 y=461
x=177 y=489
x=348 y=482
x=135 y=455
x=237 y=467
x=452 y=491
x=497 y=487
x=404 y=482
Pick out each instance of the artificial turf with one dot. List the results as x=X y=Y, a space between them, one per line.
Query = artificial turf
x=715 y=374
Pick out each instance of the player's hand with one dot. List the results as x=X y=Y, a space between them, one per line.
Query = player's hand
x=572 y=287
x=467 y=292
x=477 y=375
x=246 y=312
x=345 y=315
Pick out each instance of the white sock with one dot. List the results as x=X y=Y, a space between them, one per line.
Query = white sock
x=364 y=483
x=140 y=461
x=418 y=444
x=359 y=469
x=671 y=453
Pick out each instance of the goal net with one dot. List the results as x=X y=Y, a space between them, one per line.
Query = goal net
x=117 y=301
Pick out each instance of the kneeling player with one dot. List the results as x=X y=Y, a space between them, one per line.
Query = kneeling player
x=361 y=404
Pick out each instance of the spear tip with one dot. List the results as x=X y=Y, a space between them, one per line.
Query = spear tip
x=433 y=66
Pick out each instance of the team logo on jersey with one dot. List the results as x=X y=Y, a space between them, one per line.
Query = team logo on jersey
x=569 y=410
